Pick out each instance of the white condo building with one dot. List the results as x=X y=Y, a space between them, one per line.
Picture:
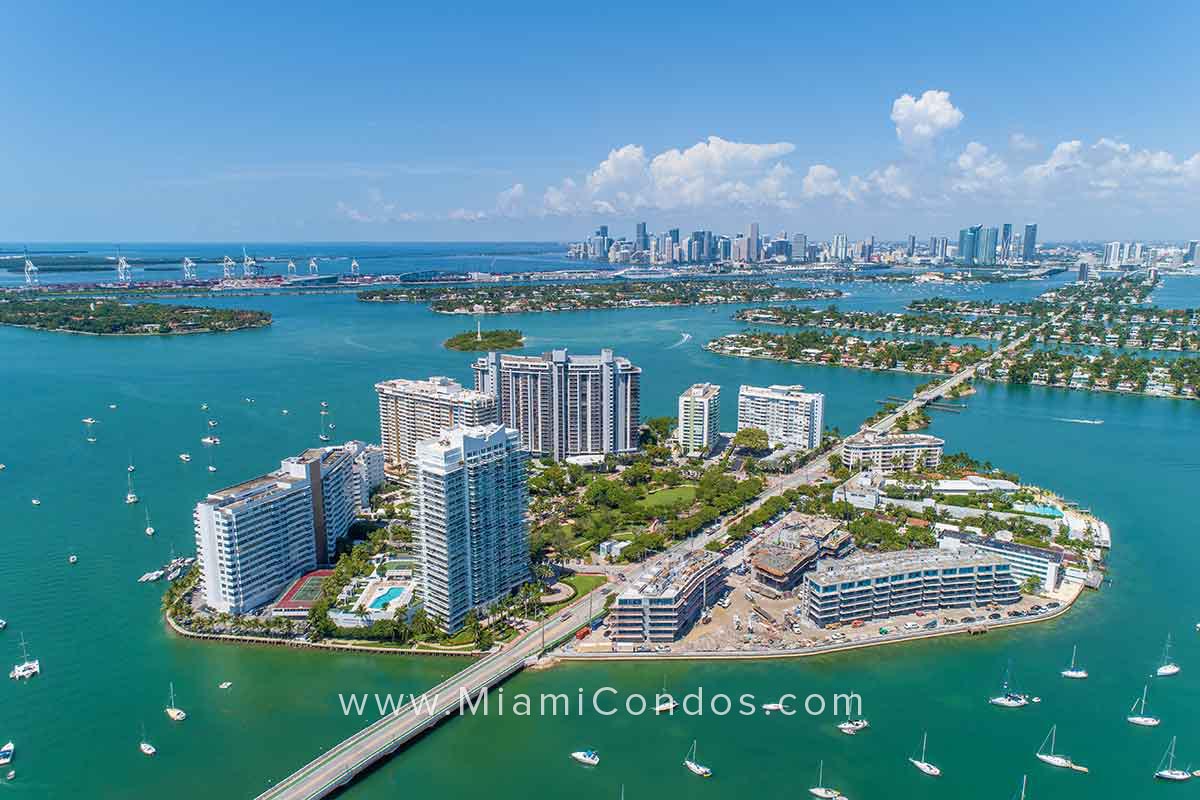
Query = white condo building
x=789 y=415
x=411 y=411
x=471 y=528
x=699 y=418
x=565 y=405
x=252 y=539
x=886 y=453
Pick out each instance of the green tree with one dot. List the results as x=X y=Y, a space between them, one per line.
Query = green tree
x=751 y=439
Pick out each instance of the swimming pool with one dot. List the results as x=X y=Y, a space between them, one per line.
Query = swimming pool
x=382 y=600
x=1032 y=508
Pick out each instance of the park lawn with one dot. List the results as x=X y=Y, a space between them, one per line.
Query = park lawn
x=582 y=584
x=666 y=497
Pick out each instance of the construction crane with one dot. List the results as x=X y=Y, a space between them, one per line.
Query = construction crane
x=291 y=267
x=189 y=269
x=228 y=265
x=313 y=269
x=31 y=272
x=250 y=268
x=354 y=267
x=124 y=273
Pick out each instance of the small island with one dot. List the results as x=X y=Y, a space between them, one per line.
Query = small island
x=470 y=341
x=102 y=317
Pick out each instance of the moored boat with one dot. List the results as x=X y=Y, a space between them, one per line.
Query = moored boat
x=1141 y=717
x=587 y=757
x=920 y=763
x=1166 y=766
x=694 y=766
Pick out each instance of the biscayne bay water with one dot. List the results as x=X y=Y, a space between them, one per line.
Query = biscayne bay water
x=107 y=659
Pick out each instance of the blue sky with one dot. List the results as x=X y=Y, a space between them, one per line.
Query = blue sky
x=295 y=122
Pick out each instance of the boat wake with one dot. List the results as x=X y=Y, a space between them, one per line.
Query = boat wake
x=1080 y=421
x=683 y=339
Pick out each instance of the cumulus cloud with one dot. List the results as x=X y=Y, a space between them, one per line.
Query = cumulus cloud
x=509 y=201
x=376 y=210
x=978 y=169
x=1022 y=143
x=921 y=120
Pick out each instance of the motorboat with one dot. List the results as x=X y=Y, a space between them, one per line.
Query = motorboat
x=1073 y=671
x=212 y=423
x=852 y=726
x=694 y=766
x=204 y=406
x=6 y=754
x=35 y=502
x=1141 y=717
x=147 y=749
x=185 y=457
x=1048 y=756
x=88 y=420
x=821 y=790
x=922 y=764
x=72 y=559
x=285 y=412
x=769 y=707
x=175 y=713
x=1166 y=766
x=149 y=527
x=1168 y=667
x=211 y=440
x=130 y=496
x=3 y=624
x=224 y=684
x=586 y=757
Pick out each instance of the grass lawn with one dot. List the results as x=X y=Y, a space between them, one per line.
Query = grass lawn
x=582 y=584
x=666 y=497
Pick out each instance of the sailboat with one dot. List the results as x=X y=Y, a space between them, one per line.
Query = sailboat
x=88 y=422
x=821 y=790
x=1141 y=717
x=1021 y=795
x=322 y=435
x=1169 y=773
x=664 y=703
x=1078 y=673
x=1056 y=759
x=149 y=527
x=1008 y=698
x=1168 y=667
x=921 y=763
x=175 y=713
x=130 y=497
x=211 y=467
x=145 y=746
x=28 y=667
x=695 y=766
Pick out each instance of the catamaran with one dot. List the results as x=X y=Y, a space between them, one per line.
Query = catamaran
x=130 y=497
x=852 y=726
x=921 y=763
x=175 y=713
x=28 y=667
x=1056 y=759
x=664 y=703
x=1168 y=667
x=1141 y=717
x=823 y=791
x=1008 y=698
x=586 y=757
x=1169 y=773
x=6 y=754
x=1078 y=673
x=695 y=766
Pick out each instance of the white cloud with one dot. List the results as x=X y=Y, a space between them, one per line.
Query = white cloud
x=466 y=215
x=1022 y=143
x=978 y=169
x=376 y=211
x=821 y=180
x=1065 y=158
x=920 y=121
x=508 y=202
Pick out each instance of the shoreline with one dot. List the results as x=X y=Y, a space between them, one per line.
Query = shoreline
x=143 y=333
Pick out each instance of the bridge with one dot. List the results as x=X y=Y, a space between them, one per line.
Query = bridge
x=342 y=763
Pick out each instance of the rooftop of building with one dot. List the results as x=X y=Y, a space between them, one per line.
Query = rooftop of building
x=869 y=436
x=973 y=539
x=702 y=391
x=782 y=560
x=438 y=385
x=561 y=356
x=672 y=577
x=776 y=390
x=878 y=565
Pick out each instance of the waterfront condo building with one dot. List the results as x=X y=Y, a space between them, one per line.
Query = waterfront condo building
x=472 y=534
x=699 y=418
x=252 y=539
x=789 y=415
x=661 y=605
x=1027 y=561
x=411 y=411
x=565 y=405
x=887 y=453
x=892 y=584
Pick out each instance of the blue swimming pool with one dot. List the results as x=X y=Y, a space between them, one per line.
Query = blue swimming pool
x=1032 y=508
x=385 y=598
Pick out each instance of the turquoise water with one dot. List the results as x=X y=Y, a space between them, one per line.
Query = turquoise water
x=107 y=660
x=386 y=597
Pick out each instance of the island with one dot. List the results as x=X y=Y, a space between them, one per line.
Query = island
x=471 y=341
x=100 y=317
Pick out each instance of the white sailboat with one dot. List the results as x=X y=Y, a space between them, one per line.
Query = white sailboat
x=694 y=766
x=1168 y=667
x=130 y=497
x=664 y=703
x=28 y=667
x=823 y=791
x=175 y=713
x=852 y=726
x=145 y=746
x=211 y=466
x=1168 y=772
x=149 y=527
x=1077 y=673
x=1021 y=794
x=588 y=758
x=1007 y=697
x=1141 y=717
x=1056 y=759
x=921 y=763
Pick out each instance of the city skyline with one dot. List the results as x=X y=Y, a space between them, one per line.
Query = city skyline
x=428 y=143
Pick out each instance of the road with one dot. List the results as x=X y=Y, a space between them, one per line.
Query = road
x=341 y=763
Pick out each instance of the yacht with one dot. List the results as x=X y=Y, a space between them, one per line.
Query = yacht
x=852 y=726
x=185 y=457
x=587 y=757
x=27 y=668
x=1141 y=717
x=695 y=766
x=88 y=421
x=1056 y=759
x=224 y=684
x=130 y=497
x=212 y=423
x=176 y=714
x=1168 y=667
x=664 y=703
x=211 y=440
x=922 y=764
x=149 y=527
x=1169 y=773
x=6 y=754
x=769 y=707
x=823 y=791
x=1078 y=673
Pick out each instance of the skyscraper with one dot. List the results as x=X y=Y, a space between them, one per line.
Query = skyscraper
x=912 y=246
x=753 y=243
x=1112 y=254
x=410 y=411
x=799 y=247
x=788 y=414
x=840 y=248
x=1029 y=242
x=470 y=502
x=968 y=243
x=1193 y=251
x=565 y=405
x=1006 y=243
x=985 y=247
x=699 y=418
x=640 y=240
